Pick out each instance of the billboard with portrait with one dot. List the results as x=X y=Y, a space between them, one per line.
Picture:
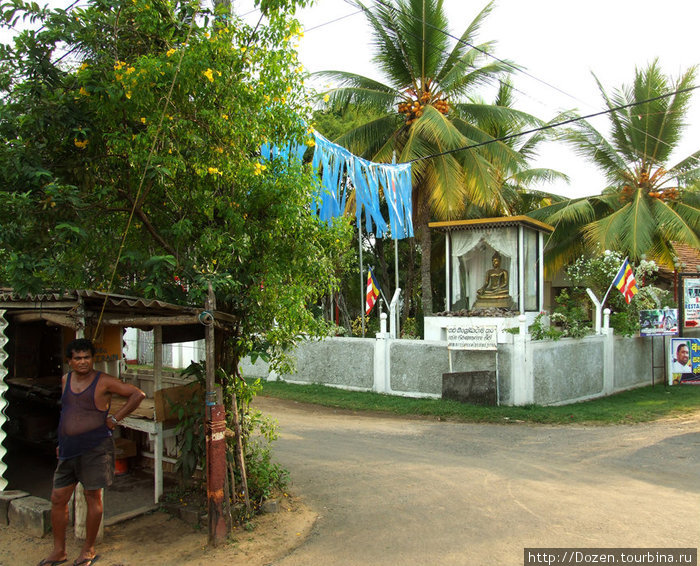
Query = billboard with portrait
x=685 y=361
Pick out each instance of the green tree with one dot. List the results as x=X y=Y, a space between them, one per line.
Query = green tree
x=648 y=203
x=425 y=114
x=516 y=178
x=130 y=163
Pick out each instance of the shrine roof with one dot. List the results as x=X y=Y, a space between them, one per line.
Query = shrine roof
x=499 y=222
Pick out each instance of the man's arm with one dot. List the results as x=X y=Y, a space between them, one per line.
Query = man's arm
x=133 y=395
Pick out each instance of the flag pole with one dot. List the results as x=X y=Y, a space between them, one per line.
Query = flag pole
x=363 y=295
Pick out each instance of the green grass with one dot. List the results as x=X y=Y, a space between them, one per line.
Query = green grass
x=634 y=406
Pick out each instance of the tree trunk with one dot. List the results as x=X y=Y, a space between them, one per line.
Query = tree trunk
x=425 y=261
x=410 y=276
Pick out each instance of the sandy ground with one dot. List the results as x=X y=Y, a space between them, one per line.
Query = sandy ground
x=160 y=539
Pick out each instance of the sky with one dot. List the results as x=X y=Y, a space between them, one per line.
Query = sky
x=560 y=43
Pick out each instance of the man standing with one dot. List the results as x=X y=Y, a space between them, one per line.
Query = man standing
x=85 y=446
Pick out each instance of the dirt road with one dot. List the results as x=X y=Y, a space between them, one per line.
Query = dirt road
x=387 y=491
x=393 y=491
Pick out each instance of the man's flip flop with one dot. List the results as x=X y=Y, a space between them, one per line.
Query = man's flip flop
x=47 y=562
x=86 y=561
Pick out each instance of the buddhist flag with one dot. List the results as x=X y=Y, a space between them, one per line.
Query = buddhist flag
x=625 y=281
x=372 y=291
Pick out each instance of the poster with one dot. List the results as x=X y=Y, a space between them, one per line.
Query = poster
x=658 y=322
x=685 y=361
x=472 y=337
x=691 y=299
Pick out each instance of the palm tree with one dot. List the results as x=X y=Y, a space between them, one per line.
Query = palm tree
x=425 y=116
x=516 y=179
x=648 y=204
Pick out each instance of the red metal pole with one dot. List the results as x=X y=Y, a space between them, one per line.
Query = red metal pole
x=216 y=474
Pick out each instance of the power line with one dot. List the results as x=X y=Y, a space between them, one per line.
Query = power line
x=514 y=67
x=557 y=124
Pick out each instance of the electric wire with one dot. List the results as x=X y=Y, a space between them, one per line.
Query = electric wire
x=556 y=125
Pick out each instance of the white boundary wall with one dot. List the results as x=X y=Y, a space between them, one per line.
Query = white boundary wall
x=529 y=372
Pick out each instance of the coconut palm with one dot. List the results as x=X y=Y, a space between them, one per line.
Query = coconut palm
x=517 y=180
x=648 y=203
x=425 y=114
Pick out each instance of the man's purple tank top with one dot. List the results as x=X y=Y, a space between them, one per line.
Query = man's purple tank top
x=82 y=426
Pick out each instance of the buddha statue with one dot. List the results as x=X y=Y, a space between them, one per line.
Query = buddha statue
x=496 y=286
x=494 y=293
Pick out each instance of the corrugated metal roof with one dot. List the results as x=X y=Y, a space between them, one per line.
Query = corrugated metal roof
x=118 y=303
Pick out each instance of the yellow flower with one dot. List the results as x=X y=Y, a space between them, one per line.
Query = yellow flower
x=209 y=74
x=224 y=116
x=143 y=120
x=118 y=65
x=128 y=94
x=83 y=91
x=311 y=142
x=243 y=49
x=259 y=168
x=80 y=144
x=289 y=89
x=118 y=77
x=214 y=171
x=83 y=67
x=326 y=98
x=219 y=149
x=130 y=70
x=169 y=52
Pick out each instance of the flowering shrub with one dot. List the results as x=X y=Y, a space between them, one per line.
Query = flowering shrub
x=597 y=273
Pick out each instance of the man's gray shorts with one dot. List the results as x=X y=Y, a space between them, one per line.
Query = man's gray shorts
x=94 y=469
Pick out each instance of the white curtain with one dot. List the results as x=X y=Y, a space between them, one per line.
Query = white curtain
x=472 y=254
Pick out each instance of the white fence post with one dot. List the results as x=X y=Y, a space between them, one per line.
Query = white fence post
x=523 y=383
x=608 y=355
x=381 y=355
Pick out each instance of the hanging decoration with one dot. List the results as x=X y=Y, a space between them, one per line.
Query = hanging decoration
x=342 y=171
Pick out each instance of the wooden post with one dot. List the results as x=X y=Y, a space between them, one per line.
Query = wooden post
x=238 y=453
x=215 y=437
x=78 y=502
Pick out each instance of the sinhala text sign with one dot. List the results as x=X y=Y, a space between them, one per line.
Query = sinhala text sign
x=472 y=337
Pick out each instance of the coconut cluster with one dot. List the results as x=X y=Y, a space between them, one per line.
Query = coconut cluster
x=646 y=182
x=670 y=193
x=414 y=107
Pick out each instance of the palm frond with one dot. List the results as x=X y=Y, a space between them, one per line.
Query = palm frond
x=368 y=139
x=464 y=42
x=592 y=145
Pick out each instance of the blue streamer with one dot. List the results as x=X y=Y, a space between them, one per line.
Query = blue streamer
x=340 y=168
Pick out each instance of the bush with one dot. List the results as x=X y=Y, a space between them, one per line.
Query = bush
x=258 y=432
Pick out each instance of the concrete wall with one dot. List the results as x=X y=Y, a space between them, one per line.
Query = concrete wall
x=529 y=372
x=567 y=369
x=633 y=361
x=417 y=366
x=346 y=362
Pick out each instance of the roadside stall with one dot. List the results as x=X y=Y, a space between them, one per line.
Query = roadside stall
x=33 y=332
